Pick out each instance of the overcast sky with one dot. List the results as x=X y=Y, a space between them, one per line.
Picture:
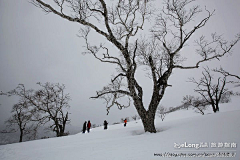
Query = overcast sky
x=35 y=47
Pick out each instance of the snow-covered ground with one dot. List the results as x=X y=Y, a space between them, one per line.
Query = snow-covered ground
x=131 y=143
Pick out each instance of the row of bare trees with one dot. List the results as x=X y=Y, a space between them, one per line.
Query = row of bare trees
x=120 y=23
x=46 y=106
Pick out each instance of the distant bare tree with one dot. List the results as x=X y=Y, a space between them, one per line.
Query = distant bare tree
x=199 y=104
x=21 y=121
x=135 y=117
x=119 y=22
x=161 y=111
x=53 y=103
x=213 y=93
x=48 y=104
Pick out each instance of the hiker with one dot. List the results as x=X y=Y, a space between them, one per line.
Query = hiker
x=84 y=127
x=125 y=122
x=105 y=123
x=88 y=126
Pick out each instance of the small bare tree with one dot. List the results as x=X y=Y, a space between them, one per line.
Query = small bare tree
x=119 y=22
x=135 y=117
x=161 y=111
x=199 y=104
x=212 y=93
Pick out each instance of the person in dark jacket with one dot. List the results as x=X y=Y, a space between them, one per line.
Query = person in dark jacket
x=84 y=127
x=105 y=123
x=88 y=126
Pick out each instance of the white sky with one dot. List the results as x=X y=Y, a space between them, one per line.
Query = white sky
x=35 y=47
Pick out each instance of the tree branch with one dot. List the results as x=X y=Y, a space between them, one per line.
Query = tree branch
x=112 y=92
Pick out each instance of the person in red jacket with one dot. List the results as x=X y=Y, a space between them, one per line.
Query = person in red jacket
x=125 y=122
x=88 y=126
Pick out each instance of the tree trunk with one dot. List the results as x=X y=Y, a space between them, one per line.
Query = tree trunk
x=146 y=117
x=215 y=108
x=21 y=136
x=61 y=131
x=56 y=129
x=148 y=122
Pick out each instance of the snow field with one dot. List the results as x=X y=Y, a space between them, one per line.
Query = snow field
x=132 y=143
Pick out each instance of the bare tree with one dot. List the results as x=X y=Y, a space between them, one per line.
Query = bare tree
x=135 y=117
x=48 y=104
x=53 y=103
x=213 y=93
x=119 y=23
x=21 y=121
x=199 y=104
x=162 y=112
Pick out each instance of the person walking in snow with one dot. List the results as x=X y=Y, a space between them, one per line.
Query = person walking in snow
x=105 y=123
x=84 y=127
x=88 y=126
x=125 y=122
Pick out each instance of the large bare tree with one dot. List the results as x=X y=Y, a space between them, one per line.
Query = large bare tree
x=119 y=22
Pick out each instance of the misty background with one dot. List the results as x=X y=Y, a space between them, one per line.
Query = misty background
x=39 y=47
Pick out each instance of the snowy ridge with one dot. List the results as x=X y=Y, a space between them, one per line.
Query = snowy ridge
x=131 y=143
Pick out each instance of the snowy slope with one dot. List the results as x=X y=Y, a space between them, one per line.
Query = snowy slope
x=131 y=143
